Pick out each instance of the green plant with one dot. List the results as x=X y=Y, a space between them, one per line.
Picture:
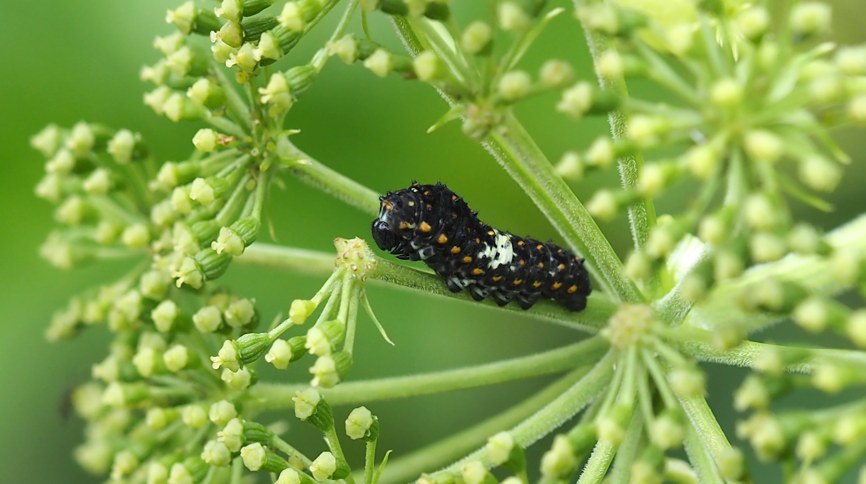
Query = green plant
x=178 y=397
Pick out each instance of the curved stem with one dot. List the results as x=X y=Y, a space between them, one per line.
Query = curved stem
x=568 y=403
x=641 y=212
x=628 y=452
x=748 y=353
x=700 y=458
x=594 y=317
x=704 y=424
x=459 y=444
x=270 y=396
x=319 y=176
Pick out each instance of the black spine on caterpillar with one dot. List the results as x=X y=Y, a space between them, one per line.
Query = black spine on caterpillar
x=431 y=223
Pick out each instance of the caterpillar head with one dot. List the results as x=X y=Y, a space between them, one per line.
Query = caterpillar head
x=391 y=229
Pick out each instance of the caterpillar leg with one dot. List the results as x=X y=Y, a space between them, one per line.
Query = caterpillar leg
x=527 y=300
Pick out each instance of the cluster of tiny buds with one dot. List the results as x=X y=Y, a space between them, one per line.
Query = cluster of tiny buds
x=153 y=344
x=788 y=76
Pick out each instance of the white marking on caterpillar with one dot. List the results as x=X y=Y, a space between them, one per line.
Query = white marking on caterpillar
x=500 y=253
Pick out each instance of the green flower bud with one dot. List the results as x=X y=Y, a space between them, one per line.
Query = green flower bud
x=514 y=85
x=257 y=457
x=176 y=358
x=207 y=319
x=211 y=264
x=237 y=380
x=560 y=461
x=362 y=424
x=216 y=453
x=476 y=38
x=310 y=407
x=240 y=313
x=222 y=412
x=98 y=183
x=283 y=352
x=194 y=416
x=328 y=370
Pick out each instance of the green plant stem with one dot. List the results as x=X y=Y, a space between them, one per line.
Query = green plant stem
x=514 y=149
x=598 y=462
x=319 y=176
x=369 y=461
x=271 y=396
x=627 y=453
x=641 y=212
x=700 y=458
x=705 y=425
x=459 y=444
x=290 y=451
x=748 y=353
x=594 y=317
x=568 y=402
x=235 y=104
x=523 y=160
x=333 y=441
x=288 y=258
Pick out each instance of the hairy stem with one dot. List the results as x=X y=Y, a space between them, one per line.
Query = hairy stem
x=319 y=176
x=270 y=396
x=591 y=319
x=641 y=212
x=567 y=403
x=459 y=444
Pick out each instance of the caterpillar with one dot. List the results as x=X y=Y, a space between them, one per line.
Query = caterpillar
x=433 y=224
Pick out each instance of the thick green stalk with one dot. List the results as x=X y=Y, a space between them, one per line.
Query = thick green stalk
x=598 y=462
x=748 y=353
x=700 y=458
x=591 y=319
x=319 y=176
x=270 y=396
x=524 y=161
x=705 y=425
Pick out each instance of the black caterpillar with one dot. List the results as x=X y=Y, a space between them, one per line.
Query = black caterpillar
x=433 y=224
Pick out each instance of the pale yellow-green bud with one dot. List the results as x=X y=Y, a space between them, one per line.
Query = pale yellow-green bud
x=810 y=18
x=764 y=146
x=380 y=62
x=427 y=66
x=610 y=64
x=602 y=205
x=576 y=100
x=560 y=460
x=514 y=85
x=726 y=92
x=601 y=153
x=819 y=173
x=512 y=17
x=476 y=37
x=205 y=140
x=555 y=73
x=570 y=166
x=323 y=466
x=753 y=21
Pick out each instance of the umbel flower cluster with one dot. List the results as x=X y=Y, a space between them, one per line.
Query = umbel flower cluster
x=752 y=91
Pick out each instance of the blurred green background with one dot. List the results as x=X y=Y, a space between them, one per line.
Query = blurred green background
x=67 y=61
